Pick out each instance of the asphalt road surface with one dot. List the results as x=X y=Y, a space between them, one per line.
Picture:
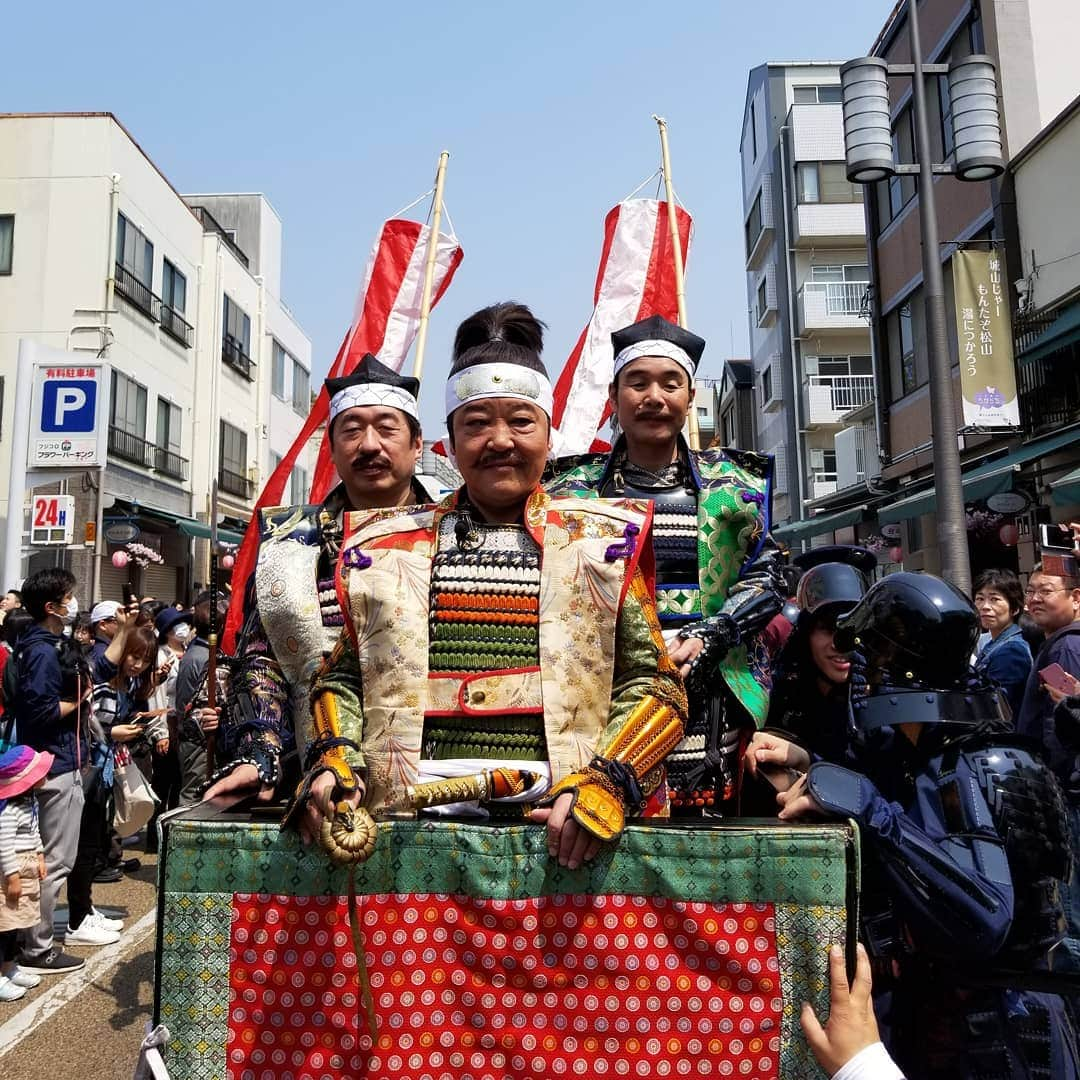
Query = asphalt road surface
x=88 y=1025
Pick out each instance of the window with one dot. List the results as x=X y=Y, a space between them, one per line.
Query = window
x=301 y=389
x=816 y=95
x=825 y=182
x=906 y=343
x=275 y=461
x=766 y=385
x=856 y=272
x=280 y=363
x=298 y=489
x=901 y=189
x=236 y=338
x=753 y=126
x=703 y=411
x=844 y=365
x=7 y=241
x=127 y=410
x=168 y=425
x=173 y=288
x=968 y=40
x=134 y=253
x=753 y=225
x=232 y=470
x=727 y=427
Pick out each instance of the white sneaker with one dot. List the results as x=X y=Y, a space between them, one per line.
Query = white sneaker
x=25 y=979
x=9 y=991
x=103 y=920
x=91 y=933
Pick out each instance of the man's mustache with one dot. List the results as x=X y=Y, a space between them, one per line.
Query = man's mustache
x=366 y=461
x=500 y=459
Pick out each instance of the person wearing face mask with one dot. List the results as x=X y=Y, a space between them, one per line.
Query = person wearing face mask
x=808 y=707
x=52 y=686
x=291 y=612
x=719 y=576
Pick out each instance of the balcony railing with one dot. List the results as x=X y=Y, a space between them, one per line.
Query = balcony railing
x=165 y=461
x=842 y=297
x=123 y=444
x=833 y=305
x=235 y=484
x=236 y=358
x=136 y=292
x=1050 y=390
x=176 y=326
x=846 y=392
x=210 y=224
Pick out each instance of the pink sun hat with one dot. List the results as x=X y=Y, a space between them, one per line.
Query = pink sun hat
x=21 y=768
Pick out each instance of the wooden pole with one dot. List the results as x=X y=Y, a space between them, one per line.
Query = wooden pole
x=693 y=435
x=429 y=268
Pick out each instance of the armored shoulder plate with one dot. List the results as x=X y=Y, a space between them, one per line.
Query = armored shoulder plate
x=290 y=523
x=759 y=465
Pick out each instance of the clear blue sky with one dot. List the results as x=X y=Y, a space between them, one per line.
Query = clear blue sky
x=337 y=112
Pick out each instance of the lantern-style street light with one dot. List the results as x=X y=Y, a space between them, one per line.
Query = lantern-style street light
x=977 y=155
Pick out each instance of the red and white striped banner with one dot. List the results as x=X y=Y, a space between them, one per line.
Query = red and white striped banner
x=636 y=280
x=385 y=322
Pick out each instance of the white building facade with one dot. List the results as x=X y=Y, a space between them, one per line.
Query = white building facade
x=807 y=281
x=106 y=258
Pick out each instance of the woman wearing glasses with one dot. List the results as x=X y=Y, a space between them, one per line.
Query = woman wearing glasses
x=1005 y=657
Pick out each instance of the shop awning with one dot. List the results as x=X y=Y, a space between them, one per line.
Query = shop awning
x=982 y=482
x=815 y=526
x=1066 y=489
x=1064 y=330
x=202 y=530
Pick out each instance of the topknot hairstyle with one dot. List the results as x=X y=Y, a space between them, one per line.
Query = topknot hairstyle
x=506 y=333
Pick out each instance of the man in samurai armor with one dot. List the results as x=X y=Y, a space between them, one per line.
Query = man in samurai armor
x=291 y=612
x=965 y=836
x=502 y=629
x=718 y=573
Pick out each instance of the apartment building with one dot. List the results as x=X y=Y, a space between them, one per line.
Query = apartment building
x=807 y=282
x=209 y=371
x=1006 y=475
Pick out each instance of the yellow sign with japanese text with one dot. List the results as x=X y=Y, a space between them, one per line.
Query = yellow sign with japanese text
x=984 y=336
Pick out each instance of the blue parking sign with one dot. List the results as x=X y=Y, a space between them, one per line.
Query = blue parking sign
x=68 y=406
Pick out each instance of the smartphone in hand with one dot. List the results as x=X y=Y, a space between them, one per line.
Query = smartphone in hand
x=1056 y=676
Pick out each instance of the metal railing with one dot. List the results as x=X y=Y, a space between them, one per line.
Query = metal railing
x=123 y=444
x=841 y=297
x=165 y=461
x=211 y=224
x=176 y=326
x=136 y=292
x=235 y=483
x=236 y=358
x=846 y=392
x=1050 y=390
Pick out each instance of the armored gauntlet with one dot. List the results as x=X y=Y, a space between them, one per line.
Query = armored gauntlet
x=626 y=774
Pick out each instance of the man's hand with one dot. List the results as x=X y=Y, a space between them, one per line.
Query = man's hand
x=161 y=747
x=767 y=749
x=320 y=804
x=567 y=841
x=797 y=802
x=12 y=889
x=684 y=651
x=851 y=1026
x=41 y=866
x=242 y=781
x=1072 y=685
x=208 y=719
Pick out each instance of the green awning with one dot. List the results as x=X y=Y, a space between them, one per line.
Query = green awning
x=815 y=526
x=1064 y=330
x=980 y=483
x=202 y=530
x=1066 y=489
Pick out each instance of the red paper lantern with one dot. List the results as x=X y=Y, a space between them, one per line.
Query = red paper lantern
x=120 y=559
x=1009 y=534
x=227 y=562
x=896 y=554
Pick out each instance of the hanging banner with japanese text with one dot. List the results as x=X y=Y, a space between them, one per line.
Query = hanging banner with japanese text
x=984 y=336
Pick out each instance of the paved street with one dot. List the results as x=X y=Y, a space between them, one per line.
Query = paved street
x=88 y=1025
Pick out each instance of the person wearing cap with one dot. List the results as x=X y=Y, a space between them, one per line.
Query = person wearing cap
x=808 y=706
x=103 y=627
x=292 y=616
x=718 y=573
x=22 y=860
x=501 y=627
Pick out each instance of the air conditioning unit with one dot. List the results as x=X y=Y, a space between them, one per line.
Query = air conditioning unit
x=817 y=460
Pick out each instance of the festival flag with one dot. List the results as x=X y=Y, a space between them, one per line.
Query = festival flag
x=385 y=322
x=636 y=280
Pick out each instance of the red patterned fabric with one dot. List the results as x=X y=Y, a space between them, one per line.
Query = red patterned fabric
x=593 y=986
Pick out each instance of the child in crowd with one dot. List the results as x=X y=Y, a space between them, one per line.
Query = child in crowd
x=22 y=860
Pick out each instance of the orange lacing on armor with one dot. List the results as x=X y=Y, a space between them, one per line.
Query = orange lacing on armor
x=486 y=601
x=508 y=619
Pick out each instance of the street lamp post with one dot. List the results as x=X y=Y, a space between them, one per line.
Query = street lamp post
x=977 y=140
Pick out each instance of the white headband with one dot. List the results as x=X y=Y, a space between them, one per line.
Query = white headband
x=667 y=349
x=393 y=397
x=499 y=381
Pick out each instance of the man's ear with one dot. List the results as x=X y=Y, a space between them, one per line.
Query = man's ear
x=613 y=395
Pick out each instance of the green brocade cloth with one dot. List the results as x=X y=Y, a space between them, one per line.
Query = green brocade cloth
x=220 y=874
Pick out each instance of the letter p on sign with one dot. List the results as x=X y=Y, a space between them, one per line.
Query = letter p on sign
x=68 y=406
